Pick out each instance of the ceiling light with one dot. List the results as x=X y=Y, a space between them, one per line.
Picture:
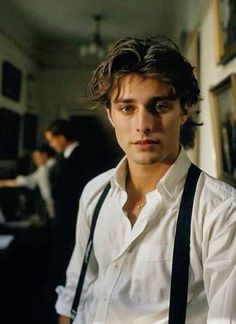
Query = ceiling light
x=96 y=46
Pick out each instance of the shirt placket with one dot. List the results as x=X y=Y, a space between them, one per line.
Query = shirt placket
x=114 y=270
x=110 y=280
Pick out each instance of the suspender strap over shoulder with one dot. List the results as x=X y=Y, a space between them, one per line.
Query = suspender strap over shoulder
x=88 y=250
x=181 y=254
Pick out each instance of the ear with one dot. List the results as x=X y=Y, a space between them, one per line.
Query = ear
x=108 y=110
x=184 y=113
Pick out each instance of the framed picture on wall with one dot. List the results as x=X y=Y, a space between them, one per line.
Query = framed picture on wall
x=223 y=110
x=11 y=81
x=225 y=27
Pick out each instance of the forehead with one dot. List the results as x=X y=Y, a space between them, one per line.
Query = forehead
x=50 y=135
x=38 y=154
x=135 y=85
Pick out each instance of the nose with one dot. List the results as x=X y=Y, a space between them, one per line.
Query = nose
x=144 y=121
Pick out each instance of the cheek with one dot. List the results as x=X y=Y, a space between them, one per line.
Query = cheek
x=55 y=145
x=110 y=118
x=41 y=160
x=172 y=125
x=122 y=131
x=123 y=127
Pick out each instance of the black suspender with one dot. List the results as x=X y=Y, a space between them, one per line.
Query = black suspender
x=87 y=253
x=180 y=264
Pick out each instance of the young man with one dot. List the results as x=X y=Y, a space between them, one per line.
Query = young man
x=43 y=159
x=148 y=89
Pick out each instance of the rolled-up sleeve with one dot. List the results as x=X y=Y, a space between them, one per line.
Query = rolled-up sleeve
x=30 y=181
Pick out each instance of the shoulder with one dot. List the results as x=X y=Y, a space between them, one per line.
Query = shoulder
x=215 y=206
x=97 y=184
x=51 y=163
x=79 y=155
x=215 y=189
x=42 y=170
x=94 y=188
x=76 y=150
x=91 y=193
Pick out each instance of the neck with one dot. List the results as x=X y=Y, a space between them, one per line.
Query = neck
x=140 y=180
x=68 y=143
x=144 y=178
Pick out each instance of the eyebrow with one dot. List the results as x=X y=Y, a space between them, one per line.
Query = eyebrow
x=154 y=98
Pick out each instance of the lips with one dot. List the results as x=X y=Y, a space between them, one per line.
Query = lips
x=146 y=142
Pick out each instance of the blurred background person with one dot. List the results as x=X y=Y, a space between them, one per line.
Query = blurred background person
x=43 y=159
x=72 y=171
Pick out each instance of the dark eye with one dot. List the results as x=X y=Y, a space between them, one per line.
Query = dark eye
x=126 y=109
x=161 y=107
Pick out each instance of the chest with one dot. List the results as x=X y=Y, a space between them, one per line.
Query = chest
x=152 y=234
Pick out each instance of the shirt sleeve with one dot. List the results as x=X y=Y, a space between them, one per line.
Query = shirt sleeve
x=219 y=264
x=45 y=188
x=66 y=294
x=29 y=181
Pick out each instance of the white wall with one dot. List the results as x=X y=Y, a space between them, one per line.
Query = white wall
x=63 y=86
x=210 y=75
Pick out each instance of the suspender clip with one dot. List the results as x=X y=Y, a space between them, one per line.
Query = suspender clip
x=72 y=315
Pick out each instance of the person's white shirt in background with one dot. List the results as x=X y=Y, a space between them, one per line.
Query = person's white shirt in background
x=68 y=151
x=40 y=178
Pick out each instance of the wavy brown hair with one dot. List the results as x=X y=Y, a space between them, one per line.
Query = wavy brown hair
x=156 y=57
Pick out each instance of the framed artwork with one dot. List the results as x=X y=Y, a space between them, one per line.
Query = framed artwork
x=11 y=81
x=225 y=26
x=223 y=109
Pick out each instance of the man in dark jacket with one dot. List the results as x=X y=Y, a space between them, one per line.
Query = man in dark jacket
x=72 y=171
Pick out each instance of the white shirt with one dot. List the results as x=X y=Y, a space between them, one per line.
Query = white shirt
x=40 y=178
x=128 y=277
x=68 y=151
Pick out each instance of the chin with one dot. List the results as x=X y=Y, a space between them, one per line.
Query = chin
x=146 y=160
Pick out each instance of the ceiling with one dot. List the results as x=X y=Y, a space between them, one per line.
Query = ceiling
x=64 y=21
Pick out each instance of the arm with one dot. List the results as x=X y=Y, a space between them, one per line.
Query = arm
x=29 y=181
x=63 y=320
x=8 y=183
x=219 y=264
x=67 y=293
x=45 y=189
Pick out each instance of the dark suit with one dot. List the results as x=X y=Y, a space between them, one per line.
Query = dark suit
x=69 y=178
